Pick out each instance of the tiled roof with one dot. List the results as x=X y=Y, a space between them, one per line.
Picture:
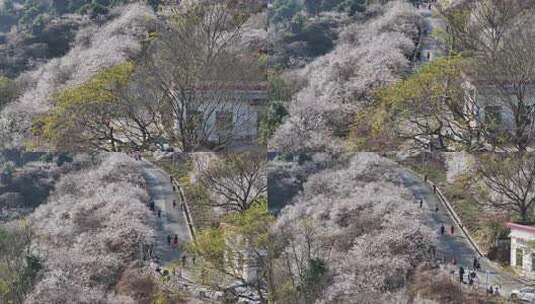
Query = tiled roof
x=526 y=228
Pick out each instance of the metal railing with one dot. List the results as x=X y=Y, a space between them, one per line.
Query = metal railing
x=452 y=213
x=185 y=209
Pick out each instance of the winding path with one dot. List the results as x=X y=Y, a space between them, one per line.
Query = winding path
x=172 y=219
x=456 y=245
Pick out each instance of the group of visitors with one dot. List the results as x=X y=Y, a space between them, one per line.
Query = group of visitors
x=172 y=241
x=443 y=229
x=495 y=291
x=424 y=5
x=471 y=276
x=135 y=155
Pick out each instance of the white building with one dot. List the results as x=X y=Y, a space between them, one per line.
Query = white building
x=239 y=118
x=522 y=248
x=231 y=116
x=492 y=105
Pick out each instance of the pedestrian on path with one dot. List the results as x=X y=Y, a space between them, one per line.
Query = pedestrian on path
x=461 y=274
x=184 y=260
x=442 y=229
x=421 y=203
x=171 y=178
x=175 y=241
x=193 y=260
x=497 y=291
x=436 y=208
x=174 y=203
x=452 y=229
x=434 y=189
x=490 y=290
x=476 y=262
x=169 y=240
x=159 y=213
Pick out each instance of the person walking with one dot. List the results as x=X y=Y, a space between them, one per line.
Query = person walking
x=175 y=240
x=159 y=213
x=184 y=260
x=452 y=229
x=169 y=240
x=442 y=229
x=461 y=274
x=421 y=203
x=174 y=203
x=475 y=263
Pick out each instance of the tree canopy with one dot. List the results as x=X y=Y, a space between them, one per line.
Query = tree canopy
x=223 y=252
x=83 y=114
x=8 y=91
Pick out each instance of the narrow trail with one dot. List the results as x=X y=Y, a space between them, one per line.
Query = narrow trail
x=456 y=244
x=172 y=221
x=429 y=47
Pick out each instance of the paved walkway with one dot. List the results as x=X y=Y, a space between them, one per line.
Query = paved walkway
x=173 y=222
x=455 y=245
x=428 y=43
x=172 y=219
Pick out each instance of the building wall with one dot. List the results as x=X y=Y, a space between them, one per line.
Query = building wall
x=520 y=240
x=245 y=107
x=486 y=97
x=244 y=121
